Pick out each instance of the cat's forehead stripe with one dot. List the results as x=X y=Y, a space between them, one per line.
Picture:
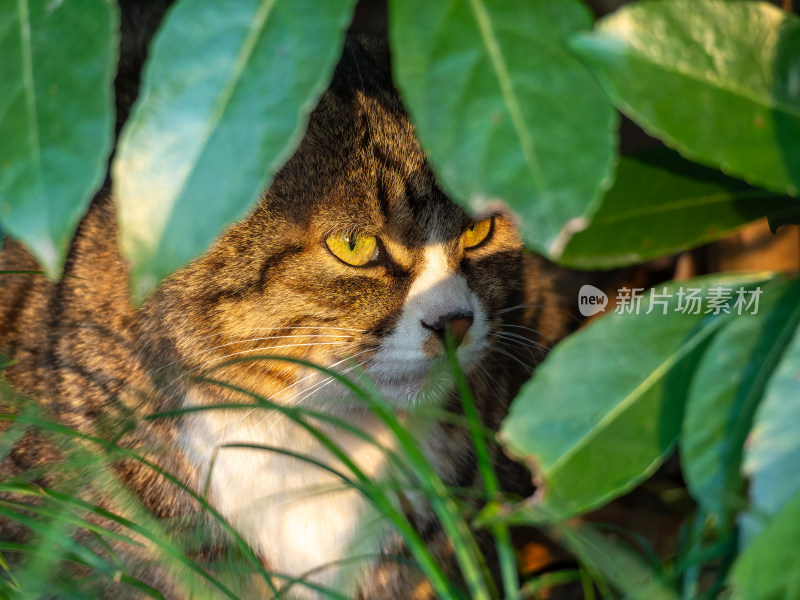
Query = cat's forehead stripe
x=436 y=267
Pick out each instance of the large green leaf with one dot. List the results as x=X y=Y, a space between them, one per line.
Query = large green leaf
x=714 y=79
x=661 y=204
x=225 y=98
x=505 y=111
x=606 y=406
x=726 y=390
x=772 y=454
x=770 y=567
x=57 y=62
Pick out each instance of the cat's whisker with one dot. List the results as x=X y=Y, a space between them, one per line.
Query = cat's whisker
x=335 y=364
x=291 y=328
x=503 y=311
x=511 y=356
x=253 y=409
x=261 y=349
x=330 y=378
x=489 y=380
x=258 y=339
x=500 y=363
x=523 y=342
x=517 y=348
x=508 y=335
x=508 y=309
x=531 y=329
x=314 y=389
x=342 y=373
x=249 y=412
x=485 y=380
x=325 y=381
x=285 y=328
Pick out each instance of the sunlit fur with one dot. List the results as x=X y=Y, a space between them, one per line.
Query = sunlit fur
x=270 y=286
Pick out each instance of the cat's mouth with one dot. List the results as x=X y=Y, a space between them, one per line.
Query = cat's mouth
x=424 y=385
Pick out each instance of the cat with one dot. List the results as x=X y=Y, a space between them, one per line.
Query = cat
x=354 y=259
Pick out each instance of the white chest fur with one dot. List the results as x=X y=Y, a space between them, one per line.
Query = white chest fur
x=296 y=515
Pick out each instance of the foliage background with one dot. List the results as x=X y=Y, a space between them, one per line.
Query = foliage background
x=515 y=102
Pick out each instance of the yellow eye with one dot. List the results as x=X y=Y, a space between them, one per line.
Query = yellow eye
x=354 y=249
x=477 y=233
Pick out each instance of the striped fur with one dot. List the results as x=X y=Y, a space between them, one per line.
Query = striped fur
x=269 y=286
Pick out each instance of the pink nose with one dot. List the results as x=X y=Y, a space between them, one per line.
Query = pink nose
x=459 y=327
x=457 y=323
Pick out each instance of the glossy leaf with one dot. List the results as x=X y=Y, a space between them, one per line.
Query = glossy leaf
x=606 y=406
x=713 y=79
x=662 y=204
x=725 y=391
x=506 y=112
x=225 y=98
x=57 y=63
x=772 y=454
x=770 y=567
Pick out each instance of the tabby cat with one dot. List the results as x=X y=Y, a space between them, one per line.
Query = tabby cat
x=353 y=259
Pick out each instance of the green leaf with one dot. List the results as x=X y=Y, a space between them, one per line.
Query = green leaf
x=661 y=204
x=772 y=453
x=608 y=401
x=57 y=63
x=225 y=98
x=505 y=111
x=711 y=78
x=770 y=567
x=725 y=391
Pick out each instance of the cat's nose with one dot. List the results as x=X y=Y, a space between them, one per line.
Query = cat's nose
x=458 y=324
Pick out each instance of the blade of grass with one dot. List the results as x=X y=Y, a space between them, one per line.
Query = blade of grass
x=505 y=548
x=406 y=442
x=531 y=589
x=7 y=568
x=587 y=583
x=443 y=587
x=470 y=560
x=7 y=509
x=11 y=437
x=52 y=537
x=161 y=542
x=623 y=569
x=304 y=457
x=342 y=562
x=444 y=506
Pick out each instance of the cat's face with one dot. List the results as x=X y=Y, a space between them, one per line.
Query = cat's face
x=354 y=259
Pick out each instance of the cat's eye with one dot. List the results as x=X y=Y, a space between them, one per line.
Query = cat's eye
x=477 y=234
x=354 y=249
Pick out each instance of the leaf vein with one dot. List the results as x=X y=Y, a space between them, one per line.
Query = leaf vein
x=507 y=89
x=637 y=392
